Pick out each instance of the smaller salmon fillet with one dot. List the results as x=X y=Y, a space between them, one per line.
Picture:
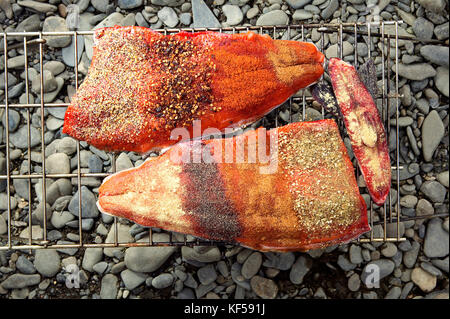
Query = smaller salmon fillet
x=364 y=127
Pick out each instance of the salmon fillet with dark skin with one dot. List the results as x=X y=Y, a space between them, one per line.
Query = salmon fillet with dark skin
x=142 y=84
x=297 y=193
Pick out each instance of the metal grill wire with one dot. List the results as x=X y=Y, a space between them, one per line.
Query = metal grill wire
x=388 y=213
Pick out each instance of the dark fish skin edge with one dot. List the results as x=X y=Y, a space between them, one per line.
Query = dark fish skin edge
x=368 y=74
x=323 y=93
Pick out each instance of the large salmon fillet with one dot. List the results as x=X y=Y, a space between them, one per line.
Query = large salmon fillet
x=142 y=84
x=290 y=188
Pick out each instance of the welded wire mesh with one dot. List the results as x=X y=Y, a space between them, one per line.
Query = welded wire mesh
x=388 y=214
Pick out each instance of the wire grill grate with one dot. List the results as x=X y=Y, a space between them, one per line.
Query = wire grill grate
x=387 y=214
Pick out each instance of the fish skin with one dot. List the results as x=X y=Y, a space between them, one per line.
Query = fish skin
x=364 y=127
x=311 y=200
x=368 y=74
x=322 y=92
x=142 y=84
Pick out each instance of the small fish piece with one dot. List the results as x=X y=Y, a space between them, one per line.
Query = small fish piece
x=291 y=188
x=368 y=74
x=364 y=127
x=142 y=84
x=322 y=92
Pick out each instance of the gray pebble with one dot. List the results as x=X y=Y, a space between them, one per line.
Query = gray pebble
x=423 y=28
x=237 y=277
x=58 y=163
x=281 y=261
x=108 y=288
x=88 y=204
x=397 y=258
x=25 y=266
x=442 y=264
x=100 y=5
x=190 y=255
x=366 y=255
x=355 y=254
x=408 y=201
x=117 y=268
x=441 y=31
x=162 y=281
x=20 y=138
x=251 y=265
x=95 y=164
x=233 y=14
x=432 y=132
x=186 y=293
x=132 y=279
x=297 y=4
x=441 y=80
x=86 y=223
x=345 y=264
x=13 y=120
x=100 y=268
x=67 y=251
x=354 y=282
x=393 y=293
x=148 y=259
x=436 y=240
x=275 y=17
x=47 y=262
x=430 y=269
x=330 y=9
x=406 y=290
x=434 y=191
x=443 y=178
x=405 y=246
x=403 y=121
x=302 y=15
x=207 y=274
x=55 y=67
x=67 y=145
x=91 y=257
x=190 y=282
x=123 y=162
x=416 y=71
x=389 y=250
x=410 y=257
x=130 y=4
x=202 y=290
x=56 y=24
x=185 y=18
x=168 y=16
x=54 y=235
x=436 y=54
x=19 y=281
x=299 y=269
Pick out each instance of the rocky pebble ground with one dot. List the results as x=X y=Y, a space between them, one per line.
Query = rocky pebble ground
x=414 y=268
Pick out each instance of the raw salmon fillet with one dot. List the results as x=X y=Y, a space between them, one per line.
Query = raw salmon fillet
x=142 y=84
x=290 y=188
x=364 y=127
